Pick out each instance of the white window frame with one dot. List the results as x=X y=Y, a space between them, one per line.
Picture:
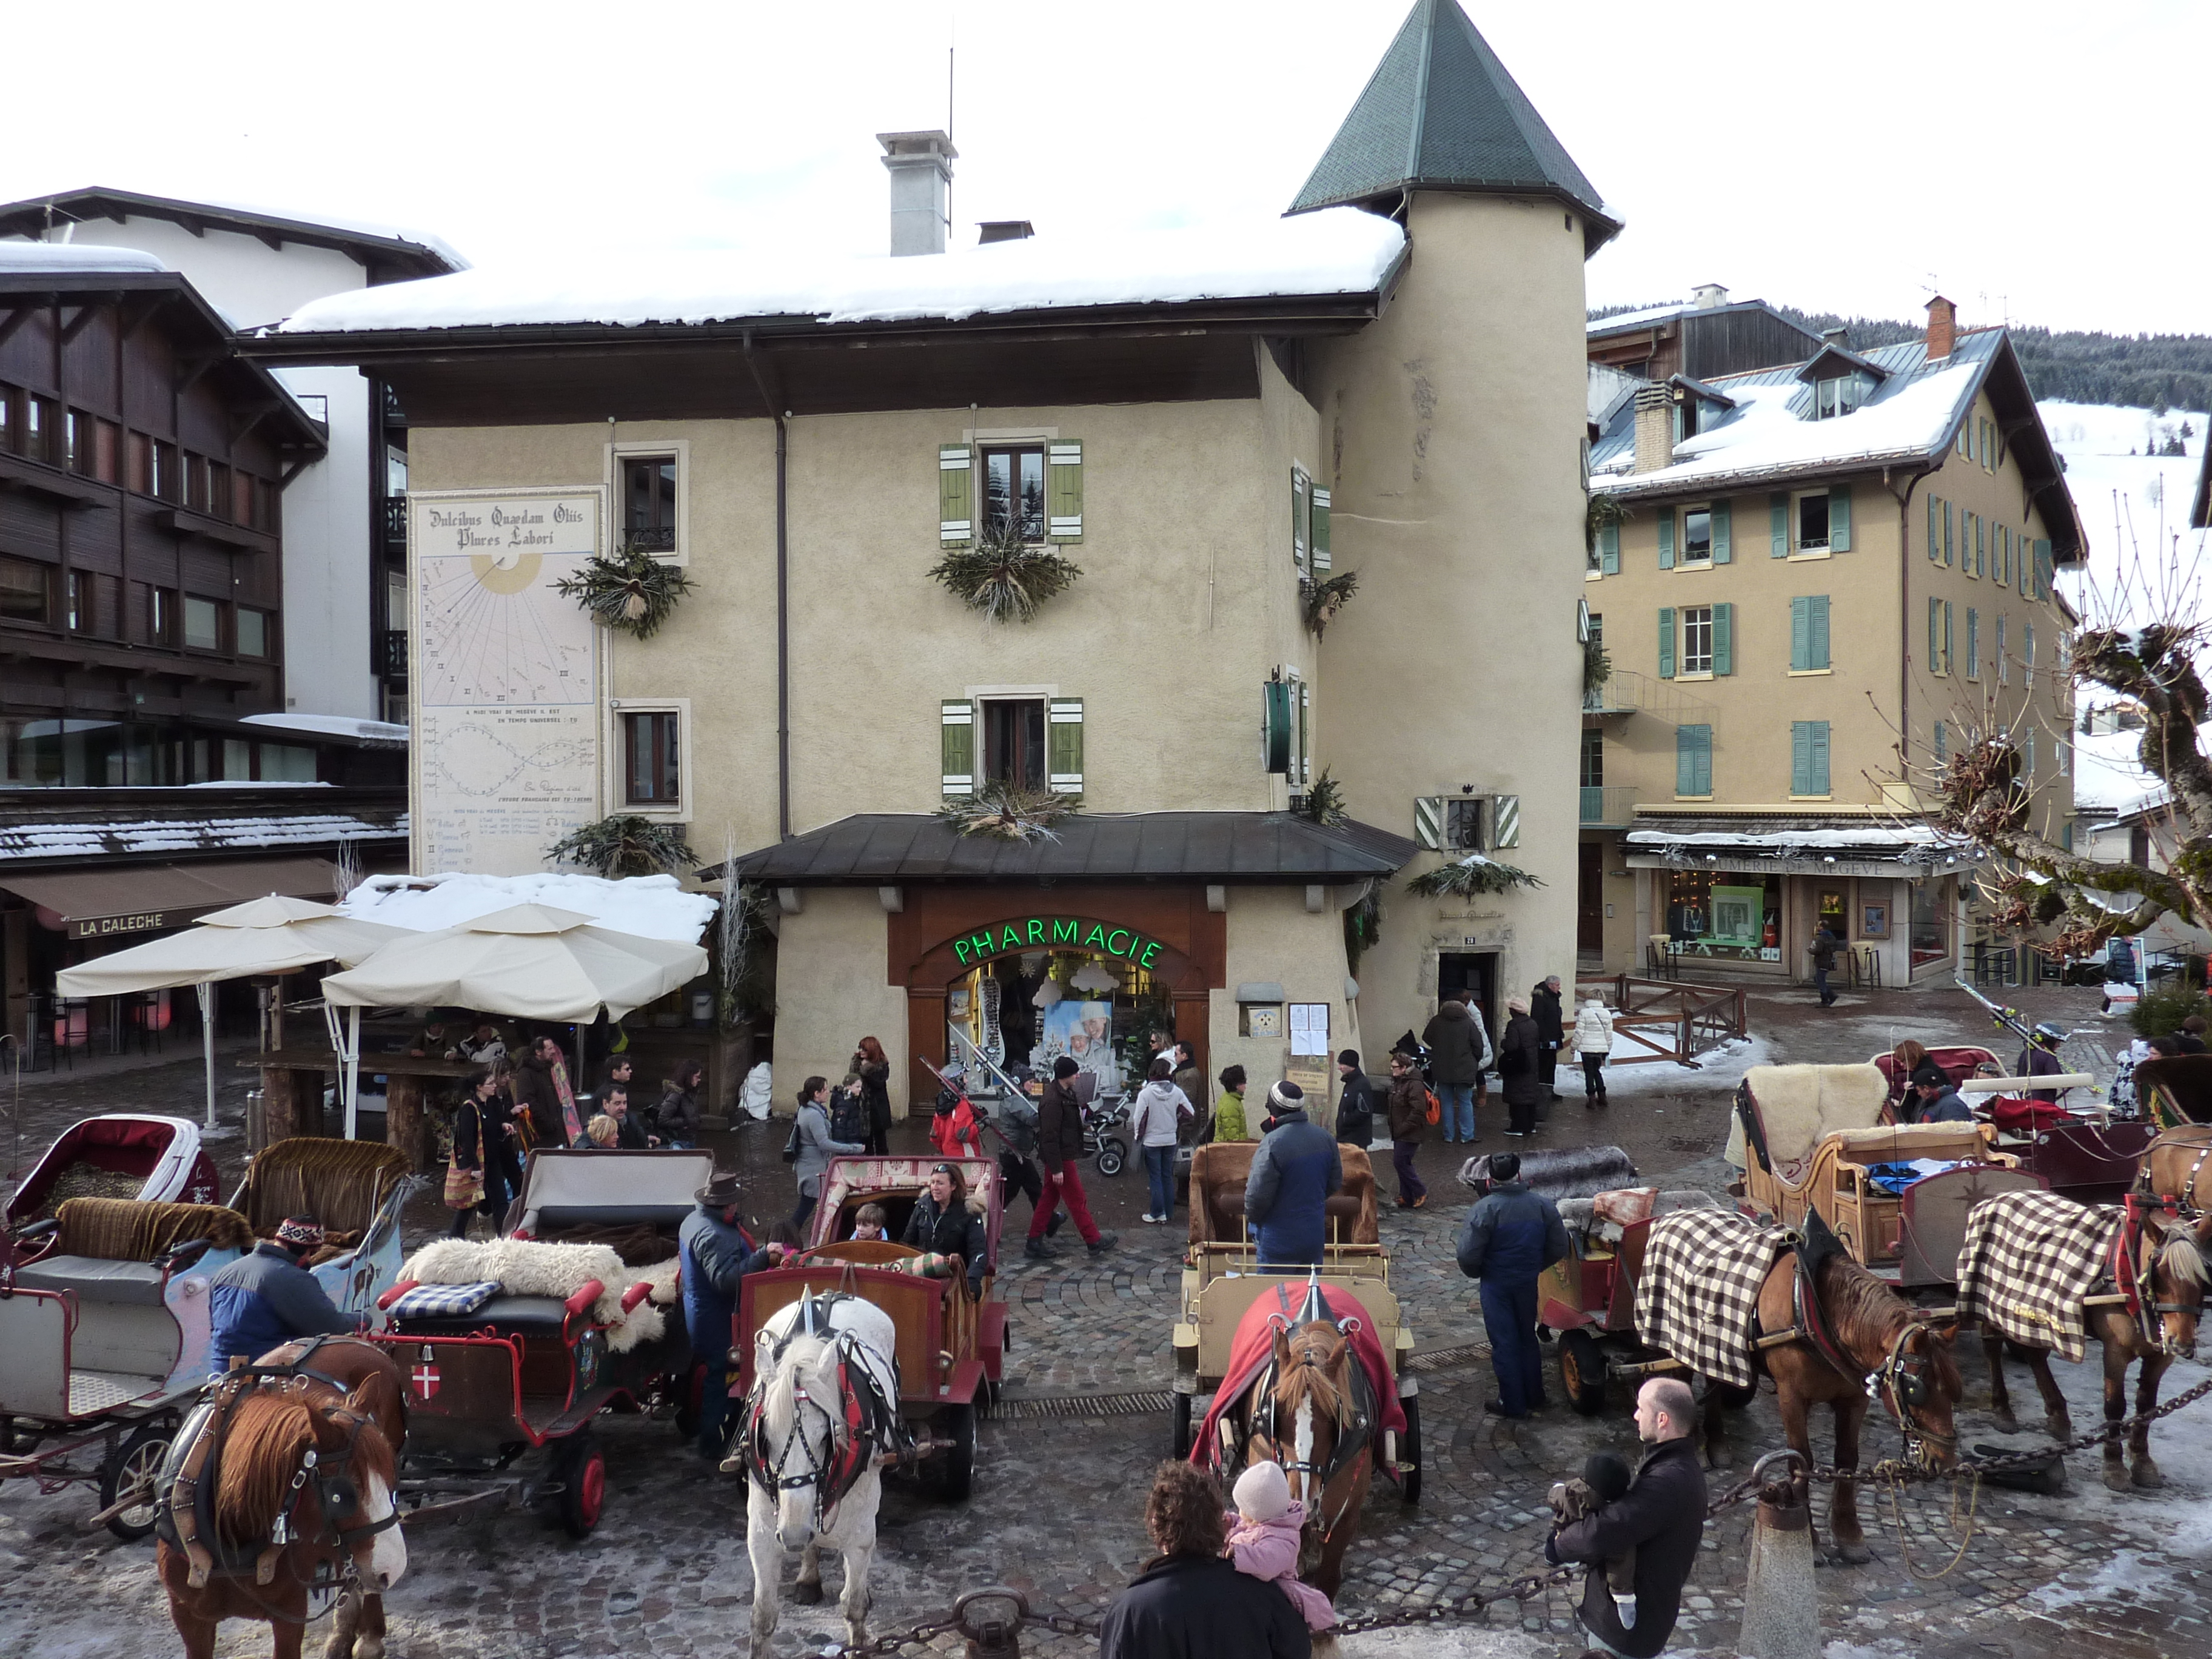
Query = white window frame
x=615 y=790
x=1689 y=666
x=621 y=449
x=1799 y=547
x=1682 y=559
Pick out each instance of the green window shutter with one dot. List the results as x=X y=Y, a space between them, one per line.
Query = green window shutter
x=1275 y=726
x=1063 y=490
x=1816 y=608
x=1947 y=535
x=1321 y=504
x=1819 y=757
x=1980 y=526
x=2066 y=836
x=1693 y=760
x=1973 y=643
x=1801 y=634
x=956 y=495
x=1934 y=529
x=1666 y=538
x=957 y=748
x=1429 y=821
x=1839 y=519
x=1778 y=526
x=2043 y=569
x=1724 y=639
x=1666 y=642
x=1300 y=516
x=1504 y=822
x=1609 y=550
x=1942 y=742
x=1801 y=757
x=1935 y=636
x=1947 y=636
x=1063 y=744
x=1723 y=549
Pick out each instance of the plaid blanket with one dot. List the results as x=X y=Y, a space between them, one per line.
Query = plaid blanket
x=445 y=1301
x=1700 y=1288
x=2028 y=1261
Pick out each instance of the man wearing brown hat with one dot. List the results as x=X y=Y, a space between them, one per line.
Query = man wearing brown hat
x=717 y=1252
x=266 y=1299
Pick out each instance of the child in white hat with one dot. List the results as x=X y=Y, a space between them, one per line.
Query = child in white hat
x=1263 y=1540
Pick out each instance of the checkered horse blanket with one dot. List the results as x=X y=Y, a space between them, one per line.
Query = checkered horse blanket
x=2028 y=1261
x=1698 y=1293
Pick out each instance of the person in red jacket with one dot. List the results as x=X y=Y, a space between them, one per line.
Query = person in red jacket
x=953 y=1131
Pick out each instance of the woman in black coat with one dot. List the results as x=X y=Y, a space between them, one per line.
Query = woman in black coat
x=1517 y=1048
x=874 y=1067
x=943 y=1223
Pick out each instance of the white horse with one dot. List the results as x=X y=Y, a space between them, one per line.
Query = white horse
x=798 y=1447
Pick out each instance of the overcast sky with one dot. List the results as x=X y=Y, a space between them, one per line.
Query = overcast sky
x=2036 y=161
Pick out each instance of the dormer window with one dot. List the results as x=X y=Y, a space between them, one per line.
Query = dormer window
x=1841 y=379
x=1837 y=395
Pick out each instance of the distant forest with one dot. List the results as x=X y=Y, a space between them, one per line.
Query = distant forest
x=2156 y=372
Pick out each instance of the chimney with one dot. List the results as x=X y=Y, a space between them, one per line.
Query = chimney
x=1708 y=296
x=1655 y=428
x=920 y=166
x=1943 y=327
x=1004 y=230
x=1838 y=336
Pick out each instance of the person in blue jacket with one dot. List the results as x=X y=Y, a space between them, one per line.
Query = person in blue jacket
x=717 y=1252
x=1511 y=1235
x=1297 y=1166
x=265 y=1298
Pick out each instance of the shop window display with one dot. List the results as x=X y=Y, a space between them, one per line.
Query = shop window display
x=1095 y=1007
x=1724 y=916
x=1931 y=914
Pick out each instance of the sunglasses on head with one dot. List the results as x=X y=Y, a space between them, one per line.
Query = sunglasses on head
x=943 y=1168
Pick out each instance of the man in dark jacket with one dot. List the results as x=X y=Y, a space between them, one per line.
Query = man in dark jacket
x=1059 y=1148
x=1355 y=1107
x=1940 y=1102
x=1408 y=1107
x=265 y=1298
x=1551 y=1032
x=1296 y=1169
x=1509 y=1237
x=1459 y=1051
x=716 y=1254
x=2040 y=1059
x=1189 y=1602
x=1662 y=1518
x=541 y=1087
x=1517 y=1068
x=1824 y=963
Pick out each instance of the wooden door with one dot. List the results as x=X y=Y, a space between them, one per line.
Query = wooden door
x=1590 y=898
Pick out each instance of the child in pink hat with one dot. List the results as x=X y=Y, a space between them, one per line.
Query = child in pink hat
x=1263 y=1540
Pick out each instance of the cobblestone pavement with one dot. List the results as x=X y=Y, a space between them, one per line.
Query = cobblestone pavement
x=1055 y=1508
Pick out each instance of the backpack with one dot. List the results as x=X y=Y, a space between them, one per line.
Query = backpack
x=1019 y=1123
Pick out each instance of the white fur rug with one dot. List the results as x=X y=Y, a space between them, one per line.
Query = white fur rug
x=1800 y=1106
x=525 y=1267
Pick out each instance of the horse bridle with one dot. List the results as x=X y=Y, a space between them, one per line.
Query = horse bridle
x=1900 y=1382
x=2128 y=1272
x=770 y=1474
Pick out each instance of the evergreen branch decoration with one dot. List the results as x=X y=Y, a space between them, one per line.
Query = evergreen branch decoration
x=1322 y=600
x=1463 y=877
x=1323 y=801
x=1597 y=667
x=1602 y=511
x=624 y=844
x=1005 y=577
x=1010 y=812
x=633 y=592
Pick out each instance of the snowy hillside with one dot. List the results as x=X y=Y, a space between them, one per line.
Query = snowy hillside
x=2131 y=500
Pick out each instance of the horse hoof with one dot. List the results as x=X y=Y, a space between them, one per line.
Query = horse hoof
x=1853 y=1553
x=2146 y=1475
x=2006 y=1422
x=807 y=1594
x=2116 y=1478
x=2058 y=1426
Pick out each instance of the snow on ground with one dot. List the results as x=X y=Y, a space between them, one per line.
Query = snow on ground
x=652 y=906
x=1720 y=1069
x=2129 y=500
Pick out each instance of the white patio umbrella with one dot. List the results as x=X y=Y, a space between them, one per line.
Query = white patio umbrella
x=528 y=962
x=271 y=935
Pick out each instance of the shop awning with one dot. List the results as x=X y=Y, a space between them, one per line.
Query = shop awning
x=885 y=848
x=1801 y=846
x=145 y=898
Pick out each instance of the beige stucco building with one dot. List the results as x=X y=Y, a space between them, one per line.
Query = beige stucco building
x=1827 y=573
x=1388 y=381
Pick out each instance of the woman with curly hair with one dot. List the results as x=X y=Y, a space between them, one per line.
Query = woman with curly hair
x=1190 y=1601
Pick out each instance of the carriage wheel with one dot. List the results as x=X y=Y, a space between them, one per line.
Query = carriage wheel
x=1409 y=1450
x=583 y=1473
x=1181 y=1425
x=136 y=1462
x=959 y=1473
x=1581 y=1372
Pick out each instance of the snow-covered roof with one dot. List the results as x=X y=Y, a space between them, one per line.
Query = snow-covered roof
x=93 y=839
x=70 y=258
x=408 y=250
x=333 y=725
x=1340 y=250
x=653 y=907
x=1891 y=838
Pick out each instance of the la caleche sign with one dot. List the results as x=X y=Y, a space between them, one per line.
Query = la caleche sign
x=1057 y=934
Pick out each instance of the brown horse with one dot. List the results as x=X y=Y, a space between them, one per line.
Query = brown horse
x=2177 y=1166
x=2169 y=1256
x=1876 y=1336
x=1309 y=1412
x=346 y=1408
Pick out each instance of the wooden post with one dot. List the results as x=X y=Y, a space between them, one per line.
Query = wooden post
x=291 y=1101
x=403 y=1115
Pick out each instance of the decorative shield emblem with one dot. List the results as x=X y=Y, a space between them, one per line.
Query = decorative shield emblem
x=425 y=1378
x=587 y=1359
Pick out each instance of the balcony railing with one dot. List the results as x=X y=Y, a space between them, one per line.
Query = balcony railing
x=649 y=538
x=395 y=654
x=395 y=519
x=1609 y=807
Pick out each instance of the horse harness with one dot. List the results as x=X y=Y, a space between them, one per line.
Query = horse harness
x=863 y=1421
x=1350 y=1446
x=2125 y=1265
x=184 y=1506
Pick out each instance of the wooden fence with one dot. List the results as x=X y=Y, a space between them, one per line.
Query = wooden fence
x=1665 y=1019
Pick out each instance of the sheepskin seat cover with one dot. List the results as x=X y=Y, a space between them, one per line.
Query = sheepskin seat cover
x=1800 y=1106
x=526 y=1267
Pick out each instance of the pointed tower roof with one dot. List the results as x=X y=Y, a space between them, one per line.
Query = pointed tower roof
x=1441 y=114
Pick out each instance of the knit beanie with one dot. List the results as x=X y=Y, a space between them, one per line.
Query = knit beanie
x=1262 y=1493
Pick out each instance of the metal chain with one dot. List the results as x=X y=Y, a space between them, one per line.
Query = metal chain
x=1893 y=1471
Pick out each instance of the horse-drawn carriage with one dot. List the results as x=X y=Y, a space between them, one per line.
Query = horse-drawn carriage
x=950 y=1343
x=512 y=1346
x=155 y=1160
x=357 y=1189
